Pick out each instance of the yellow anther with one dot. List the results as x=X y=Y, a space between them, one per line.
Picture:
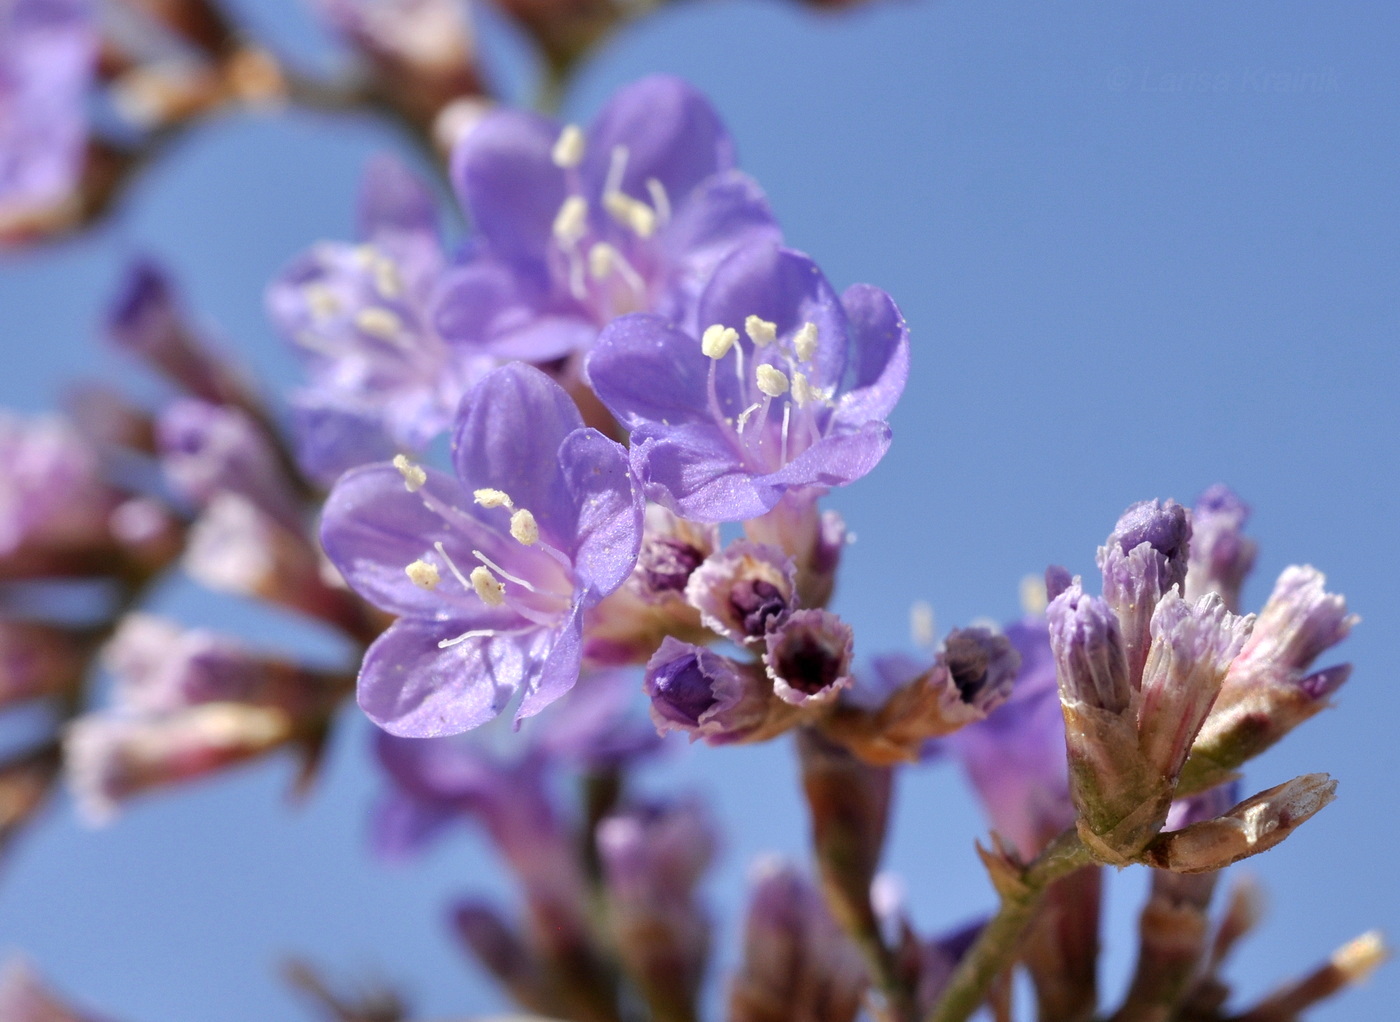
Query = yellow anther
x=571 y=222
x=423 y=574
x=568 y=148
x=631 y=213
x=717 y=340
x=524 y=528
x=491 y=590
x=760 y=331
x=387 y=279
x=804 y=342
x=323 y=301
x=802 y=390
x=378 y=322
x=413 y=475
x=492 y=498
x=771 y=381
x=602 y=260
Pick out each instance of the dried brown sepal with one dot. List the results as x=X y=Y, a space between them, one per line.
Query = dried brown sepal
x=1253 y=826
x=1350 y=964
x=927 y=707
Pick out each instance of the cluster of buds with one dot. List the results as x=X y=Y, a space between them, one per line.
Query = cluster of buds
x=1144 y=675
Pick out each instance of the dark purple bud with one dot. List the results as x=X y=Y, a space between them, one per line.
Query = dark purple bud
x=710 y=696
x=1144 y=556
x=982 y=665
x=1321 y=684
x=758 y=605
x=1221 y=554
x=809 y=657
x=667 y=564
x=1165 y=527
x=1090 y=664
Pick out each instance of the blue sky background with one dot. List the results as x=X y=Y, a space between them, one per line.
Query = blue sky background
x=1143 y=247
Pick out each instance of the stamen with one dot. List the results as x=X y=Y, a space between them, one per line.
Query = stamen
x=659 y=199
x=717 y=340
x=744 y=416
x=804 y=342
x=760 y=331
x=771 y=381
x=787 y=421
x=502 y=571
x=423 y=574
x=617 y=166
x=323 y=301
x=524 y=528
x=413 y=475
x=802 y=390
x=571 y=222
x=631 y=213
x=492 y=498
x=475 y=633
x=452 y=566
x=568 y=149
x=386 y=278
x=364 y=255
x=378 y=322
x=491 y=590
x=604 y=259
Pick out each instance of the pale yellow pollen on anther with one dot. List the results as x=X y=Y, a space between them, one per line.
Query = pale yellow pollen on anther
x=771 y=381
x=323 y=301
x=413 y=475
x=378 y=322
x=524 y=528
x=760 y=331
x=568 y=148
x=602 y=258
x=1033 y=596
x=365 y=255
x=492 y=498
x=1358 y=958
x=387 y=279
x=571 y=222
x=491 y=589
x=802 y=390
x=717 y=339
x=631 y=213
x=804 y=342
x=423 y=574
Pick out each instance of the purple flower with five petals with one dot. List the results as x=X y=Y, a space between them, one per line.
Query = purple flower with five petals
x=786 y=388
x=576 y=227
x=490 y=573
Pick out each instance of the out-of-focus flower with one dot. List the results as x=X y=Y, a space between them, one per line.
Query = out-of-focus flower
x=797 y=965
x=489 y=573
x=47 y=54
x=1221 y=554
x=24 y=997
x=783 y=386
x=39 y=659
x=578 y=227
x=380 y=378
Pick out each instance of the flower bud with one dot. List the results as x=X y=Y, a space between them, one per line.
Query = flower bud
x=797 y=965
x=712 y=697
x=502 y=952
x=110 y=759
x=1144 y=556
x=1221 y=554
x=809 y=658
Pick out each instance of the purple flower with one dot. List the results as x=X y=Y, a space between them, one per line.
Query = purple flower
x=490 y=572
x=380 y=377
x=1221 y=554
x=578 y=227
x=712 y=697
x=47 y=52
x=51 y=490
x=786 y=387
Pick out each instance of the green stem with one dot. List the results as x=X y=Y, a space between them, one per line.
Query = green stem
x=1000 y=940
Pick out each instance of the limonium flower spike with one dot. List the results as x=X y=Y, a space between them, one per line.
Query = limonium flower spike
x=486 y=608
x=723 y=426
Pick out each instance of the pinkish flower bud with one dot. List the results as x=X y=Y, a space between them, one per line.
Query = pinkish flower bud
x=110 y=759
x=744 y=592
x=1144 y=556
x=1221 y=554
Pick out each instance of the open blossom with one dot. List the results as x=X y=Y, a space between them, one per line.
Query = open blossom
x=47 y=52
x=380 y=379
x=786 y=387
x=577 y=227
x=489 y=573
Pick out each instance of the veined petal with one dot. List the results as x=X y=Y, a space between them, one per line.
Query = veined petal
x=508 y=437
x=879 y=355
x=559 y=671
x=671 y=133
x=411 y=686
x=693 y=471
x=647 y=371
x=609 y=511
x=505 y=178
x=835 y=460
